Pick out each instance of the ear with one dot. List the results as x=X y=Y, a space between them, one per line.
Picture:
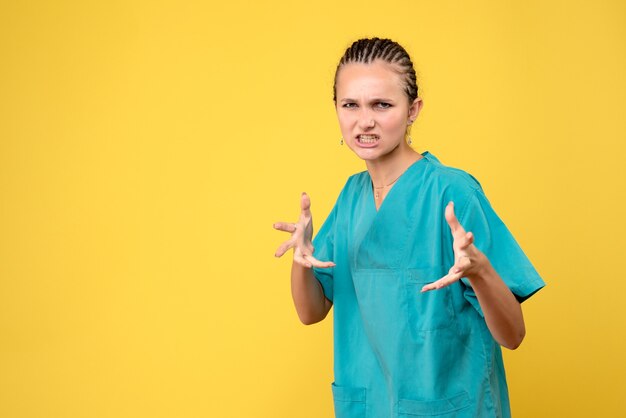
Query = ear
x=415 y=108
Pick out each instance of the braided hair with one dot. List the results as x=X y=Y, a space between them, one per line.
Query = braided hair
x=367 y=50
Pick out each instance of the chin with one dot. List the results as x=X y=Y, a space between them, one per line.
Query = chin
x=367 y=155
x=373 y=154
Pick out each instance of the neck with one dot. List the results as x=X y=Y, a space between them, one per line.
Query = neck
x=387 y=169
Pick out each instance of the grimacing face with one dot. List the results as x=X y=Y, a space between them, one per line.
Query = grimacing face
x=373 y=109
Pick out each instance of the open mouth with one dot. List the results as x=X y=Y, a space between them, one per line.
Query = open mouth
x=367 y=139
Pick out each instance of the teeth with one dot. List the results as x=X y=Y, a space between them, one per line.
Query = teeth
x=368 y=139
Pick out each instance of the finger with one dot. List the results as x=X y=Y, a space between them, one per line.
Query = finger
x=317 y=263
x=453 y=222
x=282 y=249
x=468 y=240
x=284 y=226
x=446 y=280
x=305 y=204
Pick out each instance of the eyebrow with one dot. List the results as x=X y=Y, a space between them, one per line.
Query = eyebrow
x=374 y=99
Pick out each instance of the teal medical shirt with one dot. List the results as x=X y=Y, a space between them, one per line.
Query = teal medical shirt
x=400 y=352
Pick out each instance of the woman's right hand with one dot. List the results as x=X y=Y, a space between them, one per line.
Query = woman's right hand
x=301 y=237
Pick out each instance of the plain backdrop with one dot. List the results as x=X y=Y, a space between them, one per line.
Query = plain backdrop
x=146 y=148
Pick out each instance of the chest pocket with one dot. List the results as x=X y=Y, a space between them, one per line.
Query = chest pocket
x=431 y=310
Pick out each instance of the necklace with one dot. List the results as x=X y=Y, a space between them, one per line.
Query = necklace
x=378 y=189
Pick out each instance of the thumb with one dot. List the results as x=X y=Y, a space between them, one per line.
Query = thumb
x=453 y=222
x=305 y=204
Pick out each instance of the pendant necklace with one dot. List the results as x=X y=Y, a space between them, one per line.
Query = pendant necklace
x=379 y=189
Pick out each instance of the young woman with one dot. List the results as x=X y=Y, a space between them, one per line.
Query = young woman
x=422 y=305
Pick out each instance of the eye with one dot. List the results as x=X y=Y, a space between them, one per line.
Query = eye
x=349 y=105
x=383 y=105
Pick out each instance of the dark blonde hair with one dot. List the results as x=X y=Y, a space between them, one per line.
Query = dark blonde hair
x=367 y=50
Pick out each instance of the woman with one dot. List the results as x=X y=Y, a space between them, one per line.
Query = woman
x=422 y=305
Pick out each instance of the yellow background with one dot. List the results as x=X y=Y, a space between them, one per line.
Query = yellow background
x=146 y=148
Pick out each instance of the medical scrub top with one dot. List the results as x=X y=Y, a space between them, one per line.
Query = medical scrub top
x=399 y=352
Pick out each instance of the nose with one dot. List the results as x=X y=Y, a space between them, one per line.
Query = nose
x=366 y=119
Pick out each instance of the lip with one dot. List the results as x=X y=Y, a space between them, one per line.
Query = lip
x=363 y=145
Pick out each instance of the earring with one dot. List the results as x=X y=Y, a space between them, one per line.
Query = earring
x=341 y=142
x=410 y=140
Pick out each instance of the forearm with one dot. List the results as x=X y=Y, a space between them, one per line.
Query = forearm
x=308 y=295
x=502 y=311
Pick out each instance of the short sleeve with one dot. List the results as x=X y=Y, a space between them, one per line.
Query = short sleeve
x=324 y=251
x=494 y=239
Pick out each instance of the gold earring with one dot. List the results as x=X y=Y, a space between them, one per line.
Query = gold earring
x=341 y=142
x=409 y=140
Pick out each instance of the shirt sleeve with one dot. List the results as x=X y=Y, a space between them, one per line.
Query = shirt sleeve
x=324 y=251
x=494 y=239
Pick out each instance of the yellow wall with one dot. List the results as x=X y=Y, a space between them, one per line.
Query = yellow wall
x=146 y=148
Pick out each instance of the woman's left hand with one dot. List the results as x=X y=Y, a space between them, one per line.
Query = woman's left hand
x=467 y=258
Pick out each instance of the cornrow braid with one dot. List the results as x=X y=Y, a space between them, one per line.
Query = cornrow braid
x=367 y=50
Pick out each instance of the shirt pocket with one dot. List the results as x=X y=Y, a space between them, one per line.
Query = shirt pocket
x=350 y=402
x=432 y=310
x=455 y=406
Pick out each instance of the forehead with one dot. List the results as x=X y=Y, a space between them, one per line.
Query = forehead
x=376 y=78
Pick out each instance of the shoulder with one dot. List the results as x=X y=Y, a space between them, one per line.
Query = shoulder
x=450 y=177
x=358 y=179
x=450 y=183
x=355 y=183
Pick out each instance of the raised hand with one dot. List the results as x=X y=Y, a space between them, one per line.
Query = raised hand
x=467 y=258
x=301 y=236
